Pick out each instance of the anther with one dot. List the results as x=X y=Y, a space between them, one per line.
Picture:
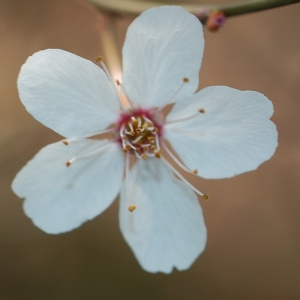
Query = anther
x=131 y=208
x=185 y=79
x=195 y=172
x=132 y=133
x=68 y=164
x=202 y=110
x=144 y=156
x=99 y=59
x=157 y=154
x=155 y=130
x=65 y=142
x=205 y=197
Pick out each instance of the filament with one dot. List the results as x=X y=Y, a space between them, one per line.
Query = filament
x=204 y=196
x=100 y=61
x=177 y=161
x=184 y=81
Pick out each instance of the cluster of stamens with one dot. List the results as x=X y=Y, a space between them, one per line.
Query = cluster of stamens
x=140 y=136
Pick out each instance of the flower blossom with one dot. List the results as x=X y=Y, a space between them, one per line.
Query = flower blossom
x=218 y=132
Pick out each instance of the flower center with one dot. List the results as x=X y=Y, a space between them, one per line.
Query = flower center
x=140 y=132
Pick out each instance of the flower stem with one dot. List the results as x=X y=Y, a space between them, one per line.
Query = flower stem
x=135 y=7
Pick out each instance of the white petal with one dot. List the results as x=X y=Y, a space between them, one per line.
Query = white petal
x=67 y=93
x=61 y=198
x=167 y=228
x=163 y=45
x=233 y=136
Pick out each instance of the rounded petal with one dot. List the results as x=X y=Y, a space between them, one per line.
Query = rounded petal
x=233 y=135
x=163 y=45
x=61 y=198
x=67 y=93
x=167 y=228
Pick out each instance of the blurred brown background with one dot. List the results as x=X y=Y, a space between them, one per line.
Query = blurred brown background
x=253 y=220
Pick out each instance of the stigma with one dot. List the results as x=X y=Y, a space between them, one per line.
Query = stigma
x=140 y=133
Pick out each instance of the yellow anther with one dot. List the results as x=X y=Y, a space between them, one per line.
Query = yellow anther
x=65 y=142
x=128 y=147
x=99 y=59
x=195 y=172
x=185 y=79
x=157 y=154
x=68 y=164
x=202 y=110
x=150 y=138
x=144 y=156
x=155 y=130
x=132 y=133
x=124 y=150
x=131 y=208
x=146 y=148
x=205 y=197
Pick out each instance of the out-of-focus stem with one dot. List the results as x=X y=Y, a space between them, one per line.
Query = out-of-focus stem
x=111 y=55
x=230 y=9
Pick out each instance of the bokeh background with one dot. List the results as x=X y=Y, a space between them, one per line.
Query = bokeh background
x=253 y=220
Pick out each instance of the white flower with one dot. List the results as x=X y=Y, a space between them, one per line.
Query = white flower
x=219 y=131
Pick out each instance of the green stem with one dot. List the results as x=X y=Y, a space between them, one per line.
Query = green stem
x=134 y=7
x=250 y=6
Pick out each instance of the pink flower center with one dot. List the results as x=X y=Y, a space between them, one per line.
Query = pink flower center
x=140 y=131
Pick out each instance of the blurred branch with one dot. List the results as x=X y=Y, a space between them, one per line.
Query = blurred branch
x=112 y=55
x=135 y=7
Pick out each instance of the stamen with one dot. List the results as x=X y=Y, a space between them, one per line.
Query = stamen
x=177 y=161
x=204 y=196
x=131 y=207
x=138 y=137
x=184 y=81
x=87 y=153
x=126 y=94
x=184 y=119
x=130 y=126
x=100 y=60
x=127 y=162
x=157 y=143
x=68 y=141
x=139 y=122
